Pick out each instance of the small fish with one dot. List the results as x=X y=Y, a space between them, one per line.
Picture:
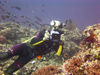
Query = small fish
x=39 y=19
x=39 y=57
x=73 y=48
x=16 y=7
x=25 y=17
x=22 y=16
x=37 y=22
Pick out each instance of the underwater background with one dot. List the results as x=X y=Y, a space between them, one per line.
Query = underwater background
x=21 y=19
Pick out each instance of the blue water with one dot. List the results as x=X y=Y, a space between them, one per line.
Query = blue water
x=82 y=12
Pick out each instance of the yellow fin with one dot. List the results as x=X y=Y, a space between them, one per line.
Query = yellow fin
x=59 y=50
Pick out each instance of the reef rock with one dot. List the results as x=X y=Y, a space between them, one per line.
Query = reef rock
x=87 y=61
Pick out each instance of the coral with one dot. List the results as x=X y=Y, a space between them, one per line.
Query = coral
x=47 y=70
x=96 y=53
x=73 y=66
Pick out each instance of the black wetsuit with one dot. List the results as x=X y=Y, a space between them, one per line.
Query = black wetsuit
x=27 y=53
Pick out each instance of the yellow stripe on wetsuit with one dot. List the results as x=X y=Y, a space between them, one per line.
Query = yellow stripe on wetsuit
x=38 y=43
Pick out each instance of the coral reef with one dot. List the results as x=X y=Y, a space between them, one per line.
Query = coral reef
x=86 y=61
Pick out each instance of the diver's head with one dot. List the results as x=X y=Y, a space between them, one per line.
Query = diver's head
x=55 y=24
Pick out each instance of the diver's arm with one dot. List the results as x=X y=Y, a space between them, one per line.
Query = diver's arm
x=46 y=35
x=28 y=40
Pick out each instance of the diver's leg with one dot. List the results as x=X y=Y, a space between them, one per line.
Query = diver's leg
x=19 y=63
x=15 y=50
x=25 y=55
x=5 y=56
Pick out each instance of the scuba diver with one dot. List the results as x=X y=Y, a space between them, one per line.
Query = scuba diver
x=42 y=43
